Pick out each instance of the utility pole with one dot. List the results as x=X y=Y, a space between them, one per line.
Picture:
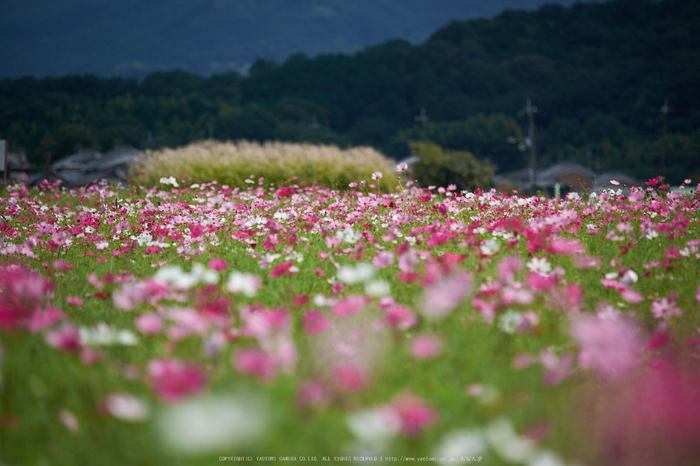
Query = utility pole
x=423 y=120
x=314 y=123
x=530 y=111
x=665 y=109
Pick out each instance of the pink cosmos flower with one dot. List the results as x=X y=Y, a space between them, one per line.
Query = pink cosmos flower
x=172 y=379
x=74 y=300
x=557 y=368
x=537 y=281
x=383 y=259
x=347 y=377
x=349 y=305
x=426 y=346
x=665 y=308
x=401 y=167
x=400 y=317
x=62 y=265
x=149 y=323
x=312 y=394
x=412 y=414
x=21 y=295
x=315 y=322
x=218 y=264
x=285 y=269
x=130 y=295
x=254 y=362
x=650 y=418
x=43 y=319
x=408 y=261
x=610 y=346
x=67 y=339
x=441 y=298
x=507 y=269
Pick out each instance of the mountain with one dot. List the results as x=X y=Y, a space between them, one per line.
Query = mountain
x=136 y=37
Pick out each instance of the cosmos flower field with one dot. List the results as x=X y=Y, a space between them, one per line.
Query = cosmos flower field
x=192 y=323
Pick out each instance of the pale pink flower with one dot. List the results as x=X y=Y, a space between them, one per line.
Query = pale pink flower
x=610 y=346
x=614 y=182
x=400 y=317
x=43 y=319
x=665 y=308
x=377 y=175
x=349 y=305
x=444 y=296
x=69 y=420
x=254 y=362
x=632 y=296
x=74 y=300
x=557 y=368
x=401 y=167
x=149 y=323
x=124 y=407
x=383 y=259
x=523 y=360
x=507 y=268
x=315 y=322
x=348 y=377
x=426 y=346
x=312 y=394
x=412 y=414
x=62 y=265
x=566 y=246
x=586 y=262
x=172 y=379
x=130 y=295
x=408 y=261
x=537 y=281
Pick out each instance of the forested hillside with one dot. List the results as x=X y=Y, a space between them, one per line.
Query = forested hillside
x=598 y=74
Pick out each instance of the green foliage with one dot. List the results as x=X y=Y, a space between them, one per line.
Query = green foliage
x=68 y=139
x=438 y=167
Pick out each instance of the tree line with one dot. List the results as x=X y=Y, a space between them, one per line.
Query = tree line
x=598 y=73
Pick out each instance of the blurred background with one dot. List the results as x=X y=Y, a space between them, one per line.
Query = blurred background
x=613 y=86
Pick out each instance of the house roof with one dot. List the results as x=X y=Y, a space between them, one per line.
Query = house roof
x=89 y=166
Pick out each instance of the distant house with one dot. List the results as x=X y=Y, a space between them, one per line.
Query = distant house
x=603 y=181
x=90 y=166
x=17 y=164
x=570 y=176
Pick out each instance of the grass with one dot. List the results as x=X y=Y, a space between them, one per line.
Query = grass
x=237 y=163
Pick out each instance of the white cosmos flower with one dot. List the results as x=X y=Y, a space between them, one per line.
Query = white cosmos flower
x=213 y=424
x=104 y=335
x=489 y=247
x=377 y=288
x=243 y=283
x=461 y=443
x=539 y=264
x=170 y=180
x=359 y=273
x=126 y=407
x=509 y=321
